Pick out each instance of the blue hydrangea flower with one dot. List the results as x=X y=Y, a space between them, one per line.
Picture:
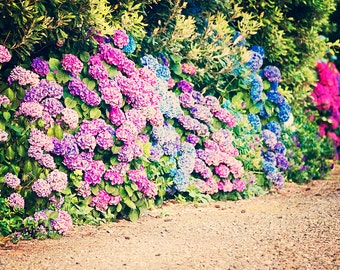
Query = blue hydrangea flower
x=284 y=112
x=258 y=49
x=268 y=167
x=255 y=121
x=181 y=180
x=274 y=127
x=275 y=97
x=256 y=88
x=255 y=61
x=131 y=46
x=269 y=156
x=272 y=73
x=263 y=113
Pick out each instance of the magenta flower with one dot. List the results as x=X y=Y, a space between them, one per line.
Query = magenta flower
x=72 y=64
x=94 y=173
x=5 y=55
x=4 y=100
x=120 y=38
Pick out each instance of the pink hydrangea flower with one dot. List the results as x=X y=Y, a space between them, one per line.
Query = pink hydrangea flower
x=188 y=69
x=12 y=180
x=72 y=63
x=63 y=223
x=70 y=117
x=5 y=55
x=120 y=38
x=42 y=188
x=3 y=136
x=23 y=76
x=57 y=180
x=16 y=200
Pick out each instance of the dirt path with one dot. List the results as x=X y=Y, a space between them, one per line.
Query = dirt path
x=298 y=228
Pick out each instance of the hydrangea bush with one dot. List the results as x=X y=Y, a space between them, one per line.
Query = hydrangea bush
x=99 y=136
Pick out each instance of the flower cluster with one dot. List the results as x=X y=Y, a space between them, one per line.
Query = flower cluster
x=139 y=177
x=40 y=143
x=102 y=201
x=5 y=55
x=327 y=98
x=16 y=201
x=12 y=180
x=23 y=76
x=40 y=66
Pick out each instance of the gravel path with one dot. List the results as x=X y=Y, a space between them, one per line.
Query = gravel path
x=297 y=228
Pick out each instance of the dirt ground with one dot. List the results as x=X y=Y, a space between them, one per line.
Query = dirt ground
x=296 y=228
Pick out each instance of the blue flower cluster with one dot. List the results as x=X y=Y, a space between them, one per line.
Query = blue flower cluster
x=256 y=88
x=274 y=127
x=255 y=121
x=131 y=46
x=284 y=112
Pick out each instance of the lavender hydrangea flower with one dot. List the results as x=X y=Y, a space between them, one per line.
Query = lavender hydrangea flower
x=42 y=188
x=11 y=180
x=272 y=73
x=5 y=55
x=57 y=180
x=40 y=66
x=16 y=201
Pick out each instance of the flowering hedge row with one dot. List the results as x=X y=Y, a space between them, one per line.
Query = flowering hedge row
x=95 y=137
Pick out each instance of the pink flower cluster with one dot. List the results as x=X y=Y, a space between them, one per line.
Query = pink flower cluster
x=5 y=55
x=63 y=223
x=23 y=76
x=120 y=38
x=102 y=201
x=12 y=180
x=4 y=100
x=72 y=64
x=327 y=98
x=3 y=136
x=40 y=142
x=140 y=178
x=16 y=200
x=55 y=180
x=78 y=88
x=116 y=173
x=188 y=69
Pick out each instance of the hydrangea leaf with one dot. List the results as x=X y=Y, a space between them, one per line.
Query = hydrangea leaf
x=134 y=215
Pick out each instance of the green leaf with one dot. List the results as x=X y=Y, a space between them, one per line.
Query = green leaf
x=119 y=207
x=91 y=84
x=62 y=77
x=134 y=215
x=95 y=190
x=53 y=215
x=58 y=131
x=15 y=169
x=254 y=109
x=84 y=57
x=129 y=203
x=54 y=63
x=129 y=191
x=66 y=191
x=177 y=69
x=95 y=113
x=70 y=102
x=6 y=116
x=112 y=190
x=51 y=77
